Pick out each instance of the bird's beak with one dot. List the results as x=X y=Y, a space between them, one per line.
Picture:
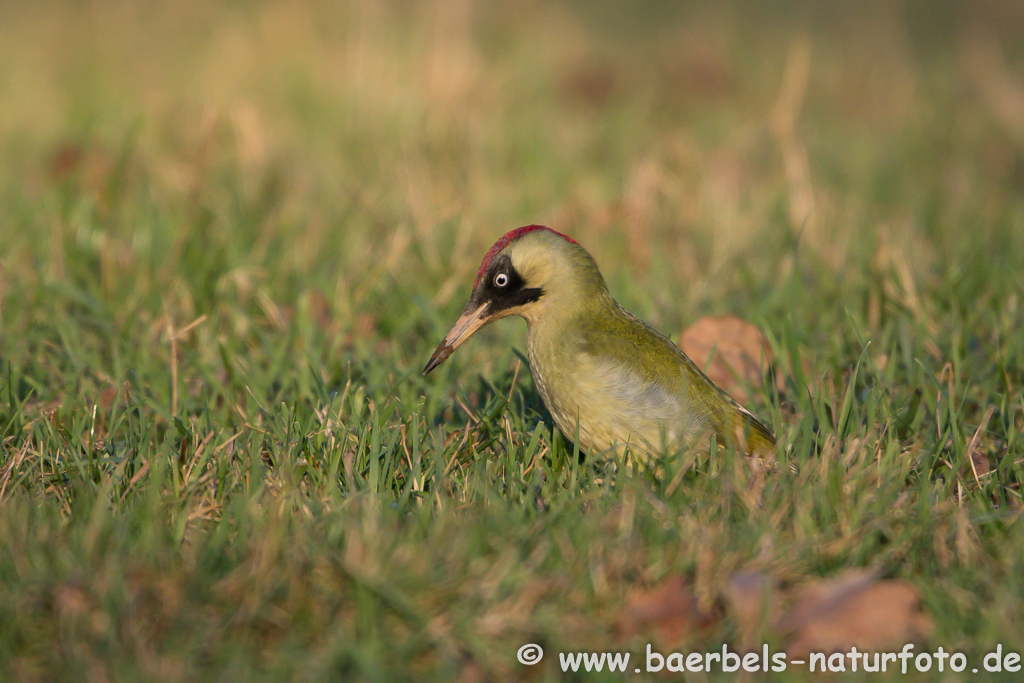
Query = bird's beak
x=471 y=320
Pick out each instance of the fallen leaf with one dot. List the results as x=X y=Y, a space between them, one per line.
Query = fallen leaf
x=591 y=83
x=108 y=395
x=752 y=601
x=978 y=464
x=854 y=609
x=739 y=353
x=319 y=307
x=89 y=161
x=471 y=672
x=668 y=612
x=698 y=73
x=363 y=327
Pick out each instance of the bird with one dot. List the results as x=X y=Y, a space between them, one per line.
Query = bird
x=611 y=382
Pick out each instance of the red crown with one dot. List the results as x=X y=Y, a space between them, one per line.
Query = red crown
x=508 y=238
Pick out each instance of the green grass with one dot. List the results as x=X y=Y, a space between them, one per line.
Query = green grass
x=232 y=234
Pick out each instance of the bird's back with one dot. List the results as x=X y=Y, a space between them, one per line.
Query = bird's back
x=631 y=384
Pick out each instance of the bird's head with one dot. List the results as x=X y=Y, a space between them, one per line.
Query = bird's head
x=533 y=272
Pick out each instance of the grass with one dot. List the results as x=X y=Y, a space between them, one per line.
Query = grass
x=231 y=242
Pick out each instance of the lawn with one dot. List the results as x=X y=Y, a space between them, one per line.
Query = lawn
x=231 y=235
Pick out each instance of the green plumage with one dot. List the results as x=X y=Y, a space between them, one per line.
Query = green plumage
x=604 y=374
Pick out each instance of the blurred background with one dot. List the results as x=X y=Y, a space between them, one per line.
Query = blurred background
x=339 y=156
x=231 y=234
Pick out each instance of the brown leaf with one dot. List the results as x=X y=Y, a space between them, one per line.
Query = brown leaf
x=591 y=82
x=739 y=353
x=471 y=672
x=698 y=73
x=752 y=600
x=363 y=327
x=319 y=307
x=854 y=609
x=669 y=612
x=108 y=395
x=978 y=464
x=90 y=161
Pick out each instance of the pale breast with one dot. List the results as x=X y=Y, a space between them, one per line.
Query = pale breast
x=614 y=405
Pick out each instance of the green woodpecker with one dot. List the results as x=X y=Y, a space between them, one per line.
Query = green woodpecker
x=609 y=379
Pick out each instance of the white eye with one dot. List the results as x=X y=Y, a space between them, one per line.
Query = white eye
x=500 y=280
